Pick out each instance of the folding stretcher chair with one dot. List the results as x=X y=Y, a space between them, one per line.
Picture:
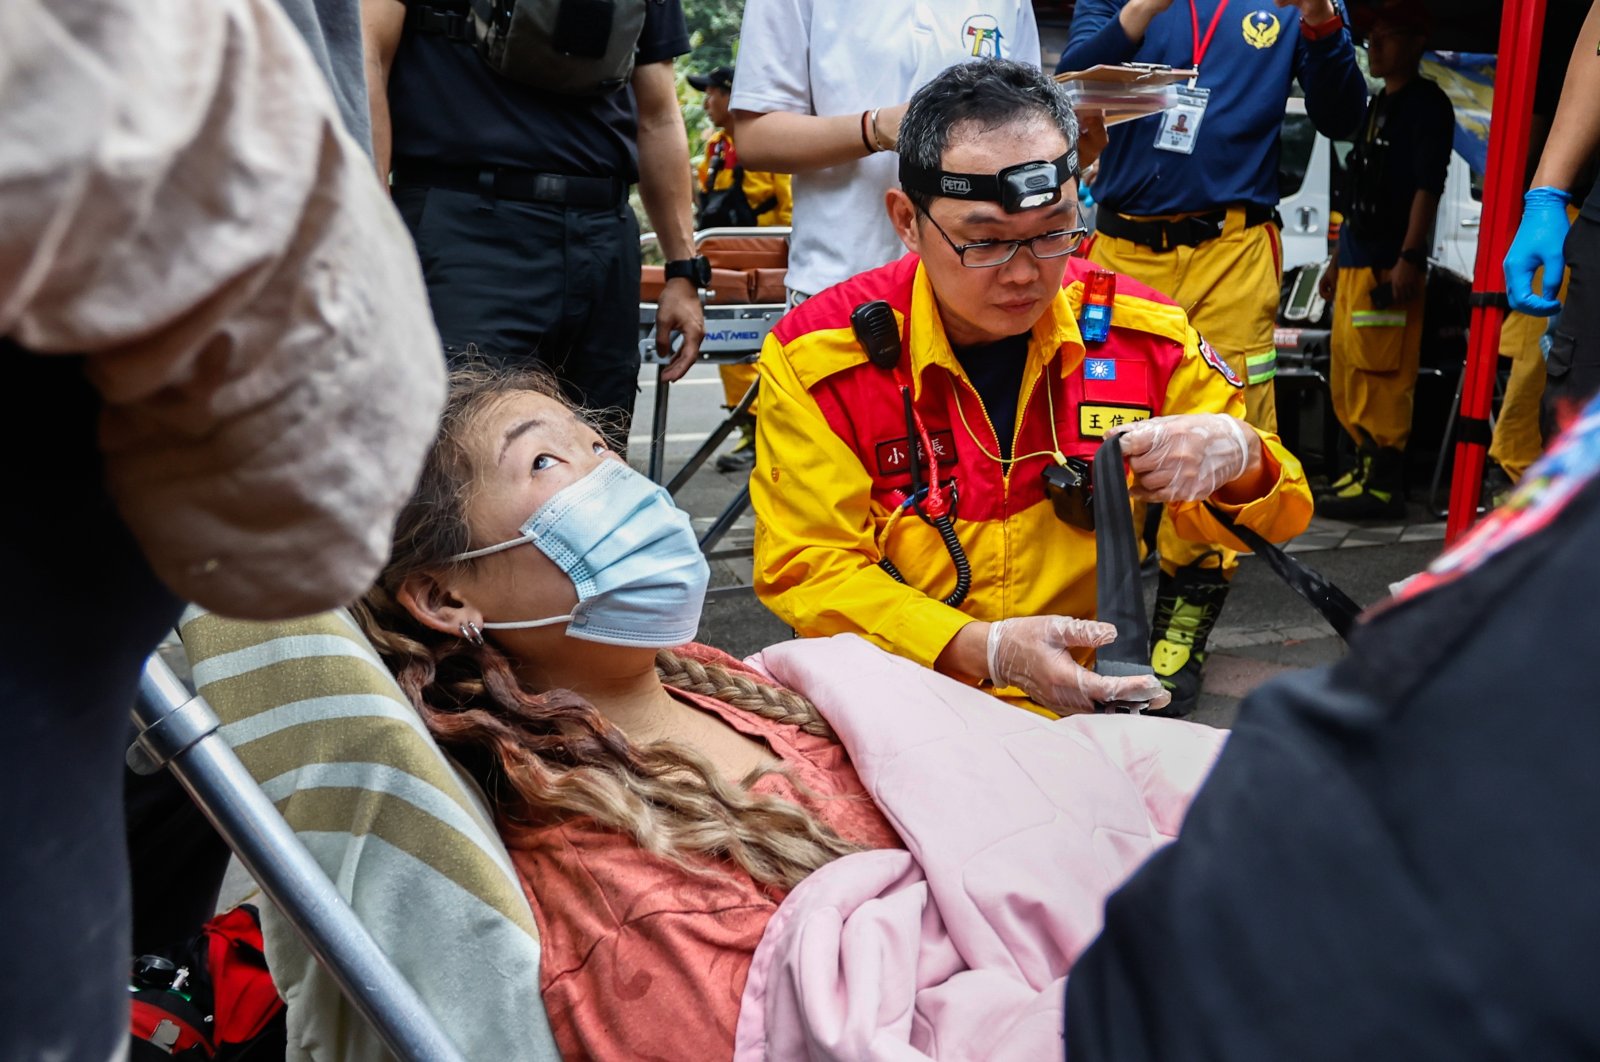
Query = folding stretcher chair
x=744 y=301
x=397 y=927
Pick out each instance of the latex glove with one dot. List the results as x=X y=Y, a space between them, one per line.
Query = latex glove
x=1034 y=654
x=1538 y=243
x=1187 y=457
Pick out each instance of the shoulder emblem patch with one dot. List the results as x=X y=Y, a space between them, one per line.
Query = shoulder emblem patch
x=1219 y=363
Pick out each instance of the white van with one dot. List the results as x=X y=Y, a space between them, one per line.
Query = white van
x=1306 y=165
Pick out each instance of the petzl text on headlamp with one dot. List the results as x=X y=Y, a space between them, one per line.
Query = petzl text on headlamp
x=1025 y=186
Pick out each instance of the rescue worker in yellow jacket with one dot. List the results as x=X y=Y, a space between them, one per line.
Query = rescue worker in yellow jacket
x=731 y=195
x=900 y=483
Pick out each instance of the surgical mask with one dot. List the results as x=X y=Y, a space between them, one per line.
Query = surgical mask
x=631 y=554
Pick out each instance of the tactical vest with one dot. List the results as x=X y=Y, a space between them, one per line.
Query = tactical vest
x=571 y=47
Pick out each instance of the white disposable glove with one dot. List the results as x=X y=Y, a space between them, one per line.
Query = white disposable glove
x=1188 y=456
x=1033 y=653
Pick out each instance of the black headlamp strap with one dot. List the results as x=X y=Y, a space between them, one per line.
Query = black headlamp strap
x=982 y=187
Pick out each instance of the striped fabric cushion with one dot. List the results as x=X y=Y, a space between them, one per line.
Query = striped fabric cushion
x=319 y=722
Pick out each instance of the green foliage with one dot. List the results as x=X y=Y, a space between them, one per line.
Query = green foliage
x=714 y=41
x=713 y=30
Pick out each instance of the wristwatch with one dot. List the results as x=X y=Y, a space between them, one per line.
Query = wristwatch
x=696 y=270
x=1415 y=255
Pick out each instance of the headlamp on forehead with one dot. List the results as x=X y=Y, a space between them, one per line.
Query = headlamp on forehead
x=1025 y=186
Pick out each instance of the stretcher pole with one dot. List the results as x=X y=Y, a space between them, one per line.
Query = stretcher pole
x=1516 y=68
x=178 y=731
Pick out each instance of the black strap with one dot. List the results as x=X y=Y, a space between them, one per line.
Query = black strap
x=1337 y=607
x=452 y=23
x=1118 y=589
x=981 y=187
x=1475 y=430
x=1192 y=231
x=513 y=182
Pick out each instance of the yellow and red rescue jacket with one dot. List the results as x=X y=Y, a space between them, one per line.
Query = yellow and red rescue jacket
x=761 y=188
x=832 y=472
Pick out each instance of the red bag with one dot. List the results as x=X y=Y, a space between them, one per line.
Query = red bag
x=211 y=999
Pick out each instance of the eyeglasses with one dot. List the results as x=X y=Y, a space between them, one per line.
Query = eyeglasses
x=987 y=254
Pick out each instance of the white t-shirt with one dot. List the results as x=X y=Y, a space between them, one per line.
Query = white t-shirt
x=829 y=57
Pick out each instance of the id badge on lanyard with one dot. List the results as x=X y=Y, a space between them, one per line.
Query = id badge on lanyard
x=1180 y=126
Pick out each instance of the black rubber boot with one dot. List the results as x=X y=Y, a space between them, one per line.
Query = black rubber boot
x=1380 y=494
x=742 y=458
x=1356 y=472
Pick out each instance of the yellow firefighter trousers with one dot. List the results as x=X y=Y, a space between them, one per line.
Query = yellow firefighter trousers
x=1373 y=376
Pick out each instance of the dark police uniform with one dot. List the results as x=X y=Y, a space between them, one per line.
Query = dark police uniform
x=518 y=202
x=1573 y=365
x=1393 y=857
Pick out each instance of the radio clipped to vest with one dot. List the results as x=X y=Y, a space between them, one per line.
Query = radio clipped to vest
x=570 y=47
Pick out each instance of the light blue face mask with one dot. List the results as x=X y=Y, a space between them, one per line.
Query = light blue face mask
x=631 y=554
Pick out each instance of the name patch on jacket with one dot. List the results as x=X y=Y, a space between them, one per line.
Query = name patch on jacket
x=1219 y=363
x=1095 y=420
x=894 y=455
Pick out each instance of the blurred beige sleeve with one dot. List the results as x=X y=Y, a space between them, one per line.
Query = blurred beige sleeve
x=180 y=204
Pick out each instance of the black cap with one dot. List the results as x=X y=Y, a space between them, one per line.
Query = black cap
x=721 y=77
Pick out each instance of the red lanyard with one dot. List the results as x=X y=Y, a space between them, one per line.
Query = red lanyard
x=1202 y=46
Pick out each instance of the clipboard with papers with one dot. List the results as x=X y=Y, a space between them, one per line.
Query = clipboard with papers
x=1124 y=92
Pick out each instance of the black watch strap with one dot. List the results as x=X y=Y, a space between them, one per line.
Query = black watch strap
x=696 y=270
x=1415 y=255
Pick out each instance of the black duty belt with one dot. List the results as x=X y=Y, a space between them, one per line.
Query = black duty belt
x=1183 y=232
x=512 y=182
x=454 y=23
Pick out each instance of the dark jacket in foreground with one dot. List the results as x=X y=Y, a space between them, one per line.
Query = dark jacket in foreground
x=1394 y=858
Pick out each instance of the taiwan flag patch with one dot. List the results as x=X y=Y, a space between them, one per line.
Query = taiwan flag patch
x=1219 y=363
x=1100 y=368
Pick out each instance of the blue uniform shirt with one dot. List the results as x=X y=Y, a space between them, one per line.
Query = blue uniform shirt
x=1256 y=52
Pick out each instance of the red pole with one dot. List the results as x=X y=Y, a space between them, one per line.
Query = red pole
x=1517 y=65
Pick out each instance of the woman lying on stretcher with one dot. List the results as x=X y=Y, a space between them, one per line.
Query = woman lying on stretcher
x=659 y=803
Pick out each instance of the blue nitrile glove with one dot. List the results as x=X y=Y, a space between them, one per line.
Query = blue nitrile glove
x=1538 y=243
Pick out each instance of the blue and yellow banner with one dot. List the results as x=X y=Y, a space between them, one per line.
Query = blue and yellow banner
x=1468 y=79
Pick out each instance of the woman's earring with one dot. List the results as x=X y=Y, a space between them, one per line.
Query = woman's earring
x=472 y=633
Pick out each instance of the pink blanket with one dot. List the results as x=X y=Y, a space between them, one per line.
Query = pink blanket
x=1017 y=829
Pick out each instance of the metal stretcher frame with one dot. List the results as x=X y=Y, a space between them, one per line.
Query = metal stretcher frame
x=734 y=334
x=178 y=731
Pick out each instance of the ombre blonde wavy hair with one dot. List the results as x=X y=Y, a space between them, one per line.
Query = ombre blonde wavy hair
x=542 y=756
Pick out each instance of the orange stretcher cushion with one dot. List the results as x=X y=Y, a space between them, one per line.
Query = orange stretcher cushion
x=729 y=286
x=651 y=280
x=768 y=285
x=744 y=269
x=746 y=252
